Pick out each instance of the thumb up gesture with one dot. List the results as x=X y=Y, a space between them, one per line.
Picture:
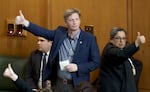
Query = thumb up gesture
x=20 y=19
x=140 y=39
x=9 y=73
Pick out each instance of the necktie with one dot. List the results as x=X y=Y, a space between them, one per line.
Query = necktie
x=43 y=65
x=44 y=61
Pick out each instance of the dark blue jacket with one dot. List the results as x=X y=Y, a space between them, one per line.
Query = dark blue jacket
x=86 y=56
x=22 y=85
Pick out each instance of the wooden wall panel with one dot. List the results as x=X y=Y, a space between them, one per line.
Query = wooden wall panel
x=133 y=15
x=34 y=10
x=141 y=22
x=144 y=90
x=103 y=14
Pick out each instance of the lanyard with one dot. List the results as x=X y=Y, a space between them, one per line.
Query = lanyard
x=133 y=67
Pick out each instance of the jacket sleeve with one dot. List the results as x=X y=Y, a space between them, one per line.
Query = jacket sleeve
x=40 y=31
x=117 y=55
x=22 y=85
x=29 y=73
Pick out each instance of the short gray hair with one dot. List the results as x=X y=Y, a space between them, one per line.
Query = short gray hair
x=115 y=30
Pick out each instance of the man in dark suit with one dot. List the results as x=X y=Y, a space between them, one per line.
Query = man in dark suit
x=34 y=74
x=74 y=51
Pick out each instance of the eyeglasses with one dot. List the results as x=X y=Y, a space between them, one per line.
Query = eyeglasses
x=120 y=39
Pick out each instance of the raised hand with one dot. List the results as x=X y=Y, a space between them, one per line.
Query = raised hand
x=21 y=19
x=9 y=73
x=140 y=39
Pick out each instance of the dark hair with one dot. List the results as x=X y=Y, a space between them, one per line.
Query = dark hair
x=115 y=30
x=69 y=12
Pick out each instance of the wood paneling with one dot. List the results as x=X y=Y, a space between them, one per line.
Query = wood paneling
x=34 y=10
x=140 y=23
x=144 y=90
x=132 y=15
x=103 y=14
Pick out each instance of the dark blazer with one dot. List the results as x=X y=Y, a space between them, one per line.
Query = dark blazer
x=25 y=87
x=22 y=85
x=86 y=56
x=116 y=72
x=32 y=71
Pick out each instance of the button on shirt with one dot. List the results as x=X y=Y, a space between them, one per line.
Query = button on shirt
x=66 y=52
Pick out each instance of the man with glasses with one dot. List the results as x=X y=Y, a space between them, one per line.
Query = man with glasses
x=119 y=70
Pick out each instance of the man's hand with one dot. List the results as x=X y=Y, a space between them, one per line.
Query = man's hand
x=21 y=19
x=140 y=39
x=9 y=73
x=71 y=67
